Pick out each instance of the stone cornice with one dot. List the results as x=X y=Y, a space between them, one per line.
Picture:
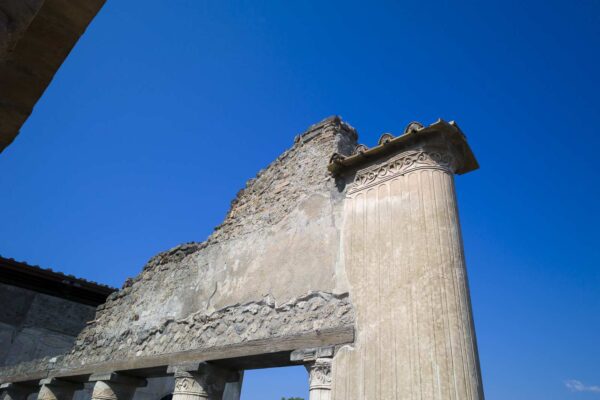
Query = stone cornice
x=441 y=134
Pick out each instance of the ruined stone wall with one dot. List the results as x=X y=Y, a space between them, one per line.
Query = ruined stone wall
x=35 y=325
x=271 y=269
x=369 y=254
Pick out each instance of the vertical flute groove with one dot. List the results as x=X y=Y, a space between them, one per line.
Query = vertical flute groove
x=405 y=266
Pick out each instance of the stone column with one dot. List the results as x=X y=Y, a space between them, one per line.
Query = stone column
x=318 y=364
x=113 y=386
x=319 y=380
x=405 y=264
x=200 y=381
x=55 y=389
x=16 y=391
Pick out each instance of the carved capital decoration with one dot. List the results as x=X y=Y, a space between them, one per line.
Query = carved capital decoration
x=402 y=164
x=320 y=374
x=112 y=391
x=189 y=385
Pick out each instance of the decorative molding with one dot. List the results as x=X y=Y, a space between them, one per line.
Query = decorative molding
x=400 y=165
x=413 y=127
x=360 y=148
x=385 y=139
x=311 y=354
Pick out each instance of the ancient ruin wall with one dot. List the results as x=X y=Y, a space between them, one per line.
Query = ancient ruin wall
x=370 y=255
x=271 y=269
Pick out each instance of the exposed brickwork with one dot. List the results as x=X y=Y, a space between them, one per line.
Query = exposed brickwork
x=138 y=320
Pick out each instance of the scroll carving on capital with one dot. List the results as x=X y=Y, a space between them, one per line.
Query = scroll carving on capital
x=402 y=164
x=320 y=374
x=190 y=385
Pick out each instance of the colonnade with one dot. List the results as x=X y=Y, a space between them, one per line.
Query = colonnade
x=193 y=381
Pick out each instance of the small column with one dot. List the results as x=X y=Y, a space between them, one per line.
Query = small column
x=113 y=386
x=16 y=391
x=318 y=364
x=319 y=373
x=56 y=389
x=200 y=381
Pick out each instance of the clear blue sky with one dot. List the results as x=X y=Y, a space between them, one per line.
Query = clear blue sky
x=164 y=109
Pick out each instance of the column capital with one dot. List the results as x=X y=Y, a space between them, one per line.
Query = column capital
x=200 y=380
x=440 y=143
x=57 y=389
x=319 y=379
x=115 y=377
x=115 y=386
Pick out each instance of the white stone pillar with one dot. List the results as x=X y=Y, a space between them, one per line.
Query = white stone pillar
x=55 y=389
x=406 y=269
x=113 y=386
x=200 y=381
x=319 y=379
x=16 y=391
x=317 y=362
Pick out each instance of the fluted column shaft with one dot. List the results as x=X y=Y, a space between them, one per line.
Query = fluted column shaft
x=404 y=261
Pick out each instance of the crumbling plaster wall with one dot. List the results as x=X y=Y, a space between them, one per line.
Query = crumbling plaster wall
x=275 y=259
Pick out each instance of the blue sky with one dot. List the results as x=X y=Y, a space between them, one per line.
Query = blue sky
x=164 y=110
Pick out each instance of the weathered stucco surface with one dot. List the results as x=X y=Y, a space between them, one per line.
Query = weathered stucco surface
x=333 y=239
x=271 y=268
x=200 y=330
